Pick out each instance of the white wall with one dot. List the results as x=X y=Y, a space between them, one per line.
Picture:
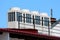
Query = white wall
x=29 y=25
x=55 y=31
x=13 y=24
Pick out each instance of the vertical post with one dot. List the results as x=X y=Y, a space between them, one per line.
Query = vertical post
x=51 y=13
x=51 y=16
x=33 y=22
x=48 y=28
x=19 y=22
x=42 y=24
x=42 y=21
x=24 y=18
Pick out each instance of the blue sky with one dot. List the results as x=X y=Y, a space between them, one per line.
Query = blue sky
x=37 y=5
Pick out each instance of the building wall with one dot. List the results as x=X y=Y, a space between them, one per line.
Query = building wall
x=15 y=39
x=55 y=31
x=4 y=36
x=41 y=27
x=13 y=24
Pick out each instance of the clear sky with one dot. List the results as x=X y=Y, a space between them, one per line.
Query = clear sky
x=37 y=5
